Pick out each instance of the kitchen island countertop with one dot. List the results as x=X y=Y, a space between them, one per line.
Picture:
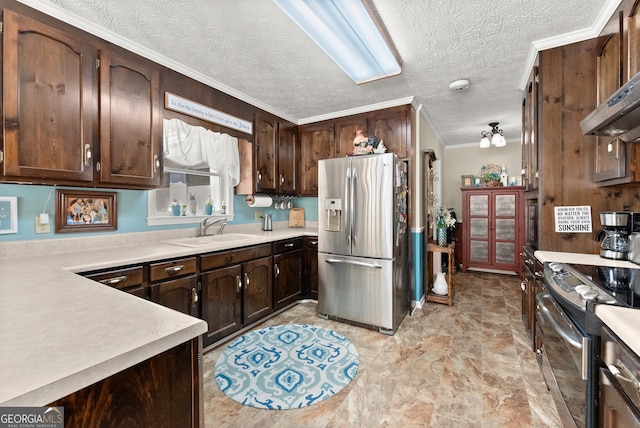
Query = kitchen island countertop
x=62 y=332
x=622 y=321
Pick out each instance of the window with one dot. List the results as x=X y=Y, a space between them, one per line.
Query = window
x=199 y=165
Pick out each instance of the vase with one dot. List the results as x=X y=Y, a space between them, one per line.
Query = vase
x=208 y=209
x=175 y=210
x=441 y=236
x=440 y=285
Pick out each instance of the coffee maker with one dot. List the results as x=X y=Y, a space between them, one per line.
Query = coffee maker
x=615 y=235
x=634 y=238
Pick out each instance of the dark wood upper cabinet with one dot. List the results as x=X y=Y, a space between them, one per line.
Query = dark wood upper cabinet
x=316 y=143
x=345 y=130
x=609 y=68
x=391 y=126
x=49 y=102
x=530 y=160
x=130 y=122
x=275 y=153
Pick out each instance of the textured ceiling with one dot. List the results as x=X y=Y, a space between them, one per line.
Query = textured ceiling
x=252 y=50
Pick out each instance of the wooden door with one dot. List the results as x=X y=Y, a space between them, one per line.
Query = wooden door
x=130 y=123
x=608 y=68
x=345 y=132
x=316 y=143
x=287 y=158
x=266 y=153
x=258 y=289
x=222 y=302
x=50 y=109
x=180 y=294
x=391 y=126
x=287 y=274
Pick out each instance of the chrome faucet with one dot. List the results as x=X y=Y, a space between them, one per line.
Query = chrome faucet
x=205 y=225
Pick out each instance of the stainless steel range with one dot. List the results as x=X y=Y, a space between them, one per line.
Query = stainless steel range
x=568 y=348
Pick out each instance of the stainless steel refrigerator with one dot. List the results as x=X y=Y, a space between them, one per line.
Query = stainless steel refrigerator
x=363 y=264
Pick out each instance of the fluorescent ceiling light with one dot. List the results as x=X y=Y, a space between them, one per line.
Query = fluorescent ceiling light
x=345 y=30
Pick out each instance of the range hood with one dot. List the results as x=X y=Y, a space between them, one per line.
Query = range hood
x=618 y=116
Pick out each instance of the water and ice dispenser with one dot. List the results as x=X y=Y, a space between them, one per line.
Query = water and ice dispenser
x=333 y=210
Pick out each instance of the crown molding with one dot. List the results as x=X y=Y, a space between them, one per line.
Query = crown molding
x=357 y=110
x=565 y=39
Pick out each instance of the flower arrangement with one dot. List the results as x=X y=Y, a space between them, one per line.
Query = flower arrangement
x=445 y=219
x=490 y=173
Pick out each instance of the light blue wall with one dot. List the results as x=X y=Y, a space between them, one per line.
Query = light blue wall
x=132 y=212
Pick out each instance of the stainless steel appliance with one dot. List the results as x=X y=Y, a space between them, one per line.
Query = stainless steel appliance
x=568 y=332
x=363 y=266
x=615 y=235
x=267 y=224
x=619 y=115
x=634 y=238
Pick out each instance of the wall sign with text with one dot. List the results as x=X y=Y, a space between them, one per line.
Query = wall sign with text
x=192 y=108
x=573 y=219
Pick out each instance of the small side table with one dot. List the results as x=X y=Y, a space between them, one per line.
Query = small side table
x=430 y=296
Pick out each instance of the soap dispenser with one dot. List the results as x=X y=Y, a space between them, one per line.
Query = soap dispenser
x=268 y=222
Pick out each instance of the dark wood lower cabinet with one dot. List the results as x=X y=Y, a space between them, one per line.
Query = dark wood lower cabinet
x=161 y=392
x=310 y=282
x=257 y=301
x=222 y=302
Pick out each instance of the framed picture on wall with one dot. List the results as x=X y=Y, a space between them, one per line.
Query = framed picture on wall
x=8 y=214
x=86 y=211
x=467 y=180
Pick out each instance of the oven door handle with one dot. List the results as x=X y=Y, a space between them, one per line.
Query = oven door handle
x=563 y=327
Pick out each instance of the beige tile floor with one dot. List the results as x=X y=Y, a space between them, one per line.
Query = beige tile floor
x=469 y=365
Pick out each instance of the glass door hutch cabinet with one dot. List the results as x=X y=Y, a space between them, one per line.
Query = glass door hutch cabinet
x=492 y=230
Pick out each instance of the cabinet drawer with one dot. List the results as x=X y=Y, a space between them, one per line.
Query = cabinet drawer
x=287 y=245
x=121 y=278
x=172 y=269
x=221 y=259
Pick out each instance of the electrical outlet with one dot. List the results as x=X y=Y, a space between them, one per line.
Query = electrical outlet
x=258 y=215
x=42 y=227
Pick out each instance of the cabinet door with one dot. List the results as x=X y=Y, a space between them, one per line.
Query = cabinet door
x=609 y=68
x=287 y=274
x=530 y=132
x=610 y=159
x=478 y=237
x=258 y=289
x=311 y=268
x=130 y=123
x=391 y=126
x=316 y=143
x=266 y=153
x=288 y=158
x=634 y=40
x=49 y=102
x=179 y=294
x=222 y=302
x=345 y=133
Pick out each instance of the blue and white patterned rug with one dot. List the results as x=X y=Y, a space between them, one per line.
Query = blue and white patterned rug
x=286 y=366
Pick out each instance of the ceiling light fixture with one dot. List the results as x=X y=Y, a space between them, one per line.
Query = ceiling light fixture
x=459 y=85
x=347 y=32
x=493 y=137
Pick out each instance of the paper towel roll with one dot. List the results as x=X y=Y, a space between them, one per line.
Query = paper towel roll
x=260 y=202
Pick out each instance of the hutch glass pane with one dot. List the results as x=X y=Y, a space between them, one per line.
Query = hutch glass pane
x=478 y=251
x=479 y=205
x=505 y=205
x=479 y=228
x=506 y=229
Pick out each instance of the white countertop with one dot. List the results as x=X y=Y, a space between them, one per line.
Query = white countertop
x=62 y=332
x=622 y=321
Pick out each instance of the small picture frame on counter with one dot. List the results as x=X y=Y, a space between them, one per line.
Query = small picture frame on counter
x=8 y=214
x=86 y=211
x=467 y=180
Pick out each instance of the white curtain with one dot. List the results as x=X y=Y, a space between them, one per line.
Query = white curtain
x=188 y=146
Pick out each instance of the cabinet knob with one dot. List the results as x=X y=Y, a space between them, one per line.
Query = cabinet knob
x=281 y=179
x=288 y=244
x=276 y=269
x=156 y=163
x=239 y=283
x=87 y=155
x=246 y=280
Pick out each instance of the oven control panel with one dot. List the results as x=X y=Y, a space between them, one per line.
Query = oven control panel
x=574 y=287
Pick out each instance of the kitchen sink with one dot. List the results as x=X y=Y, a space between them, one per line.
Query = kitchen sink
x=201 y=241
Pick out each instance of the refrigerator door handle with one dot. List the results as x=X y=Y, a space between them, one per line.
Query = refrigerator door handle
x=354 y=262
x=352 y=200
x=347 y=218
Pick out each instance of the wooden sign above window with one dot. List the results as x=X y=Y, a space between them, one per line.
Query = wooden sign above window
x=199 y=111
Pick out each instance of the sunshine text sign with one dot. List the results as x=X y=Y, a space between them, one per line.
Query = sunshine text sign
x=575 y=219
